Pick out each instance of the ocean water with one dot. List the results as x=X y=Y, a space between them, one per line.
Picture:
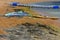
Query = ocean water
x=46 y=11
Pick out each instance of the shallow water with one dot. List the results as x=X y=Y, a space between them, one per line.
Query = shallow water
x=48 y=12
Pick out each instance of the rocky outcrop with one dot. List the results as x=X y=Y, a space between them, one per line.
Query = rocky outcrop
x=28 y=31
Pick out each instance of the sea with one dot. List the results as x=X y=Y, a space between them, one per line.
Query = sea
x=47 y=11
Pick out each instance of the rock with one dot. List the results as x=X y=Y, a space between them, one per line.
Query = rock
x=29 y=31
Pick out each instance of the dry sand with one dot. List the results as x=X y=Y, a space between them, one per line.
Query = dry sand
x=25 y=1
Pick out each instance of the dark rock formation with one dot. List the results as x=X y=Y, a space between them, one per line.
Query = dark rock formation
x=29 y=31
